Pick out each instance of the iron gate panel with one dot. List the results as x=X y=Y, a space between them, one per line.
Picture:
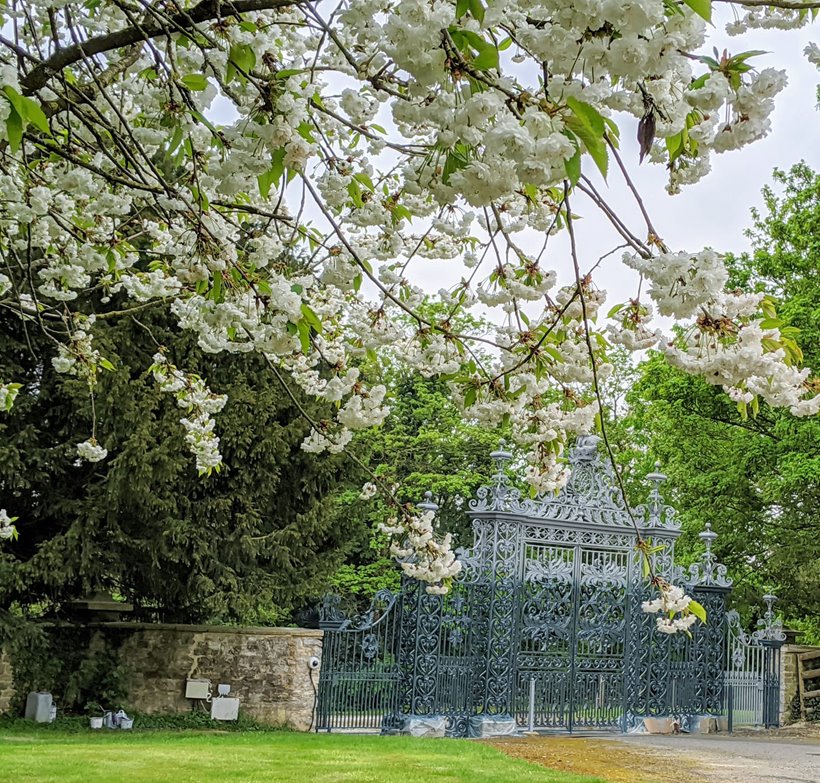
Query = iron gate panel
x=752 y=674
x=572 y=636
x=360 y=674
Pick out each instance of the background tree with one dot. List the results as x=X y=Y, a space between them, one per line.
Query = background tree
x=243 y=544
x=756 y=479
x=426 y=445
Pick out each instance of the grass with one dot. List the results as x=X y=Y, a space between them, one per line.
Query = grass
x=29 y=754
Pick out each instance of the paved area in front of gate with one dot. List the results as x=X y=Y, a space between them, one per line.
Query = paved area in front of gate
x=764 y=758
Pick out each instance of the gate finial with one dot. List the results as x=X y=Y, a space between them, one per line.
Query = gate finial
x=427 y=504
x=769 y=627
x=708 y=572
x=655 y=505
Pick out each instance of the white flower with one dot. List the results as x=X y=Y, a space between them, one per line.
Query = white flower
x=368 y=491
x=91 y=451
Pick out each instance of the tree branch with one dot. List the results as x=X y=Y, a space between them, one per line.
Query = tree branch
x=790 y=5
x=204 y=11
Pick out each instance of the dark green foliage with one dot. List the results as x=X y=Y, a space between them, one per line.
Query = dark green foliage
x=243 y=545
x=426 y=445
x=81 y=668
x=757 y=481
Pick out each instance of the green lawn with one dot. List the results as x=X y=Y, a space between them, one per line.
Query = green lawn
x=254 y=757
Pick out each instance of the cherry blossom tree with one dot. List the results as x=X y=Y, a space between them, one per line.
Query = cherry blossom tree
x=271 y=169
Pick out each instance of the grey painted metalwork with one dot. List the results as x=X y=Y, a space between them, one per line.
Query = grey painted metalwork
x=360 y=671
x=543 y=624
x=752 y=675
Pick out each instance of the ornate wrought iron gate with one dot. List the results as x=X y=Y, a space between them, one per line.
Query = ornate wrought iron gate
x=360 y=671
x=543 y=625
x=752 y=676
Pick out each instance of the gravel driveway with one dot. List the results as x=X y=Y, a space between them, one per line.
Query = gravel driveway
x=760 y=757
x=740 y=759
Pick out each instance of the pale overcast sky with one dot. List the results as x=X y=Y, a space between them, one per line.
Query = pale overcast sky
x=714 y=212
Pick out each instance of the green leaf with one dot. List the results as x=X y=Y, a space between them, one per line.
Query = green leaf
x=106 y=365
x=311 y=318
x=477 y=9
x=274 y=174
x=195 y=81
x=365 y=180
x=588 y=124
x=697 y=609
x=286 y=73
x=772 y=323
x=305 y=130
x=354 y=190
x=701 y=8
x=304 y=336
x=216 y=288
x=462 y=6
x=487 y=58
x=699 y=82
x=573 y=166
x=14 y=129
x=241 y=57
x=615 y=310
x=36 y=116
x=470 y=396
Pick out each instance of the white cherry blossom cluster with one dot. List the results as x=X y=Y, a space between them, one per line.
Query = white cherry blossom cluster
x=7 y=527
x=679 y=283
x=78 y=356
x=422 y=554
x=91 y=451
x=768 y=18
x=732 y=342
x=349 y=147
x=201 y=403
x=674 y=606
x=369 y=491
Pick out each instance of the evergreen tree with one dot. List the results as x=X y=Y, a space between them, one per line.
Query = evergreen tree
x=244 y=544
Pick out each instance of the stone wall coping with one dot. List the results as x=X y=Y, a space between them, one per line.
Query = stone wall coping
x=236 y=630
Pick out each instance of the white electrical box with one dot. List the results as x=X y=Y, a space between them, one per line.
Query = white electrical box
x=197 y=689
x=224 y=708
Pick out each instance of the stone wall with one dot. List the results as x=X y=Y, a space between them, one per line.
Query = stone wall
x=789 y=708
x=6 y=682
x=267 y=668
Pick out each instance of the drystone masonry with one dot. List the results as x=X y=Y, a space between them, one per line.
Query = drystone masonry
x=6 y=682
x=789 y=699
x=267 y=668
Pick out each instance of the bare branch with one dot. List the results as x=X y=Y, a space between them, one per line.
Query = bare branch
x=790 y=5
x=205 y=11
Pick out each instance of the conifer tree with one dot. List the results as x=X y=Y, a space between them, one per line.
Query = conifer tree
x=242 y=544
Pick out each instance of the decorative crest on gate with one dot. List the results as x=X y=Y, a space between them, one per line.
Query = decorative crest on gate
x=590 y=497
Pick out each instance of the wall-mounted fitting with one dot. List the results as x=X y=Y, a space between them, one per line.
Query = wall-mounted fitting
x=197 y=689
x=313 y=662
x=223 y=689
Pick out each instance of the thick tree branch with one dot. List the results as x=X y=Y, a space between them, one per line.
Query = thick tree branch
x=789 y=5
x=205 y=11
